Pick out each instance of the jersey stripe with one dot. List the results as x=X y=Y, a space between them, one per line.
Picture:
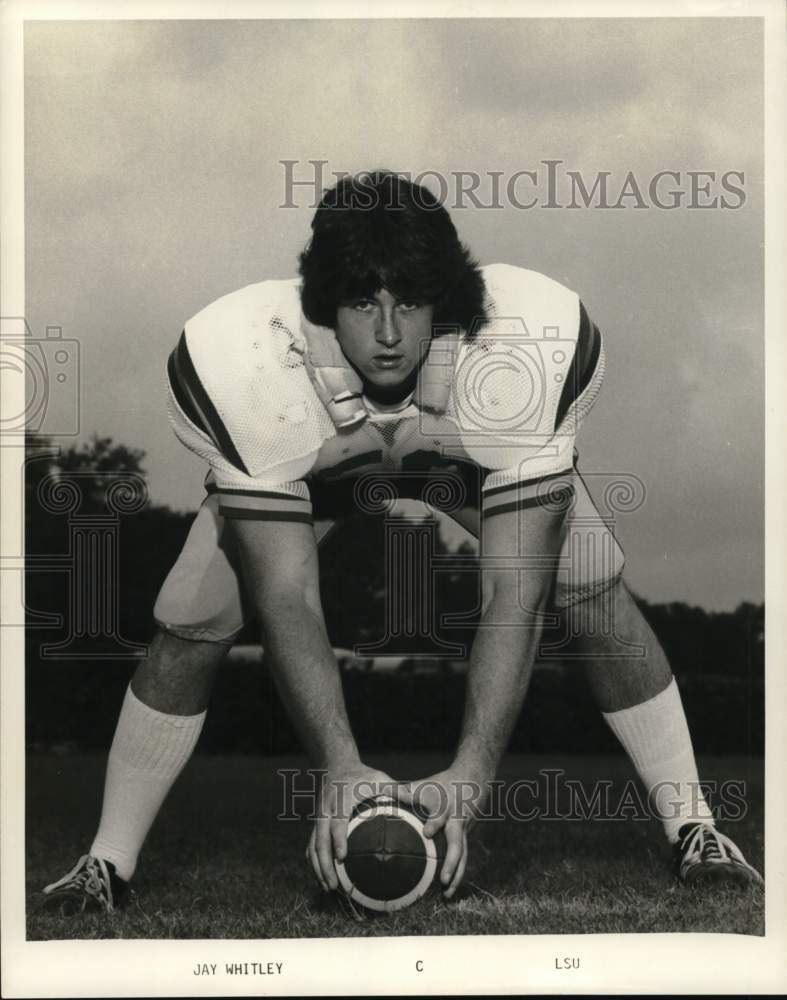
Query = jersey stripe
x=183 y=394
x=190 y=384
x=521 y=484
x=262 y=494
x=583 y=363
x=182 y=397
x=558 y=498
x=524 y=494
x=263 y=505
x=355 y=462
x=250 y=514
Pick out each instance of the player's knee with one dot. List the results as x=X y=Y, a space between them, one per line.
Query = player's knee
x=210 y=631
x=180 y=616
x=177 y=675
x=169 y=648
x=589 y=571
x=573 y=593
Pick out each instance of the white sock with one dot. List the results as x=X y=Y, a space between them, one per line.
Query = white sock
x=149 y=751
x=656 y=737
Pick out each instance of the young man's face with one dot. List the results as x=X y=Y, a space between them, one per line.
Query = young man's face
x=384 y=338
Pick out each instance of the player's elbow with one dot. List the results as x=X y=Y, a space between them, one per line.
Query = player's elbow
x=289 y=595
x=280 y=569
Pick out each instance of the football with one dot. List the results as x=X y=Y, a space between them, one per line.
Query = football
x=390 y=863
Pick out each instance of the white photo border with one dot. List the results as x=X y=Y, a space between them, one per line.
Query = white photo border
x=667 y=963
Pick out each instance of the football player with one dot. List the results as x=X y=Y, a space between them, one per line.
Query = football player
x=391 y=354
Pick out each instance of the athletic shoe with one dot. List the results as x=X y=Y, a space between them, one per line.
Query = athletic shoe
x=90 y=886
x=702 y=854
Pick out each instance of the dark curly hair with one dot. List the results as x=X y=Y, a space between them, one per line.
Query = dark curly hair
x=379 y=230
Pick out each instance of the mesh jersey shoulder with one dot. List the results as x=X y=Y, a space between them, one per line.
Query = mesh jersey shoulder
x=249 y=380
x=516 y=290
x=511 y=376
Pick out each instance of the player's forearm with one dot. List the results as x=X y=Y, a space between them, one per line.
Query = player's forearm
x=307 y=676
x=501 y=664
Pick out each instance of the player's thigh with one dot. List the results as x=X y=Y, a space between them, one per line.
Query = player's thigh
x=591 y=559
x=469 y=518
x=202 y=598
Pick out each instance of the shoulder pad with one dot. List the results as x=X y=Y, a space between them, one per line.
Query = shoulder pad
x=247 y=351
x=532 y=298
x=510 y=376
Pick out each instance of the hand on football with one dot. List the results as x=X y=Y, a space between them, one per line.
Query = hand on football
x=341 y=791
x=452 y=799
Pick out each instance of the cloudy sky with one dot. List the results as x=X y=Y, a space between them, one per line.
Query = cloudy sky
x=154 y=185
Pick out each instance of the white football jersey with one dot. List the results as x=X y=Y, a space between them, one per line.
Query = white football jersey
x=241 y=396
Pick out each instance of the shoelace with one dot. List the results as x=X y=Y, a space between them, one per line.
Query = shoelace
x=91 y=876
x=708 y=844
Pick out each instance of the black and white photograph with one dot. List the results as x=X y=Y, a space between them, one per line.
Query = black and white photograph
x=387 y=587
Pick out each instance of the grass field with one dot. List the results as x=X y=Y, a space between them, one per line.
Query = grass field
x=218 y=864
